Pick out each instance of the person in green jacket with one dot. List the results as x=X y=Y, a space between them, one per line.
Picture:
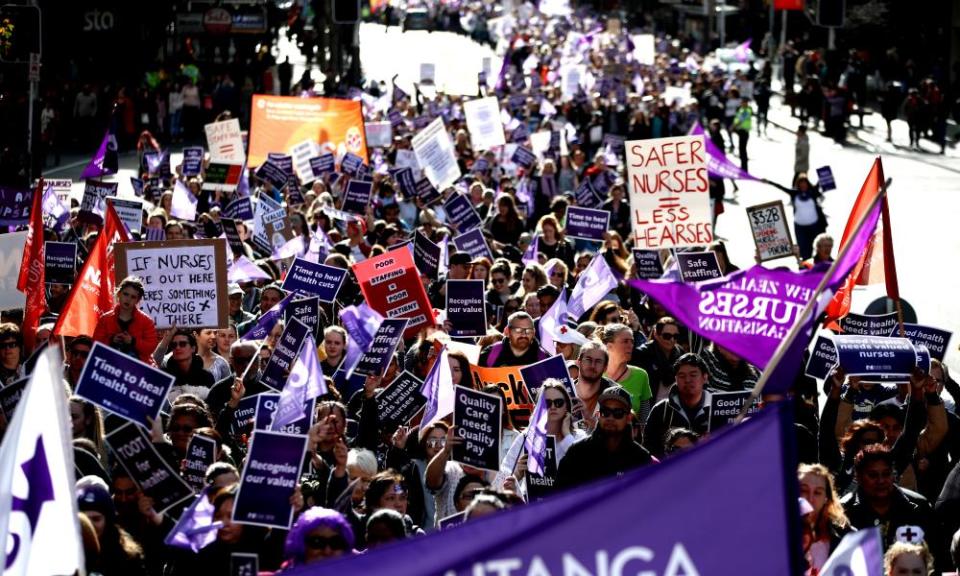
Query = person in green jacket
x=742 y=122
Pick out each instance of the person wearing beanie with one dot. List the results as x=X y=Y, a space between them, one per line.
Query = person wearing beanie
x=120 y=554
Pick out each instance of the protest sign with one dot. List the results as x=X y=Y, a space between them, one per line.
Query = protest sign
x=244 y=564
x=277 y=123
x=273 y=174
x=130 y=211
x=232 y=233
x=283 y=161
x=586 y=195
x=319 y=280
x=123 y=385
x=669 y=192
x=399 y=402
x=644 y=49
x=726 y=406
x=483 y=122
x=158 y=164
x=59 y=262
x=356 y=198
x=426 y=255
x=239 y=208
x=510 y=380
x=935 y=339
x=524 y=157
x=306 y=311
x=245 y=414
x=11 y=255
x=426 y=192
x=474 y=244
x=452 y=520
x=93 y=205
x=406 y=181
x=223 y=177
x=10 y=396
x=185 y=280
x=302 y=153
x=192 y=160
x=648 y=264
x=379 y=134
x=269 y=478
x=822 y=359
x=201 y=453
x=376 y=359
x=15 y=206
x=351 y=164
x=225 y=142
x=825 y=179
x=866 y=325
x=434 y=151
x=157 y=480
x=428 y=73
x=466 y=308
x=477 y=420
x=587 y=224
x=265 y=412
x=553 y=367
x=698 y=266
x=278 y=367
x=541 y=485
x=771 y=234
x=323 y=164
x=875 y=355
x=391 y=285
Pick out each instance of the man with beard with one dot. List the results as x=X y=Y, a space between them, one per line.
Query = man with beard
x=591 y=364
x=519 y=348
x=610 y=450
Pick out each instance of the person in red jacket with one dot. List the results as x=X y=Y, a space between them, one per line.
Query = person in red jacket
x=126 y=328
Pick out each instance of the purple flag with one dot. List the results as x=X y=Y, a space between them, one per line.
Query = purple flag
x=595 y=529
x=269 y=319
x=530 y=254
x=438 y=390
x=556 y=316
x=196 y=529
x=860 y=553
x=535 y=437
x=718 y=164
x=595 y=282
x=742 y=51
x=106 y=160
x=184 y=204
x=361 y=323
x=290 y=249
x=243 y=270
x=304 y=383
x=54 y=211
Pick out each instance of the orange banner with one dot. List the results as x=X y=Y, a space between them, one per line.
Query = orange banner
x=508 y=379
x=278 y=123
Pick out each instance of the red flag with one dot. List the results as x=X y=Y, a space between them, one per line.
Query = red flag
x=31 y=280
x=872 y=261
x=92 y=293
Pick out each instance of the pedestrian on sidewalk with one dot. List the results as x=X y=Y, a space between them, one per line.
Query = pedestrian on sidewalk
x=890 y=105
x=801 y=152
x=762 y=96
x=742 y=122
x=913 y=113
x=808 y=217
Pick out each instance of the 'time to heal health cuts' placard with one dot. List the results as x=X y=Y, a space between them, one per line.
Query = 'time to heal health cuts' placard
x=669 y=192
x=185 y=280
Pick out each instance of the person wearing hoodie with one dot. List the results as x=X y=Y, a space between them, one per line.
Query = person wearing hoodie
x=686 y=406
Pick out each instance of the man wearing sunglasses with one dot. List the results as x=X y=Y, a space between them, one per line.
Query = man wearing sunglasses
x=686 y=406
x=610 y=450
x=76 y=358
x=519 y=347
x=658 y=355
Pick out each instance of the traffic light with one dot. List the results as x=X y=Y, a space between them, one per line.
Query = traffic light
x=19 y=33
x=831 y=13
x=346 y=11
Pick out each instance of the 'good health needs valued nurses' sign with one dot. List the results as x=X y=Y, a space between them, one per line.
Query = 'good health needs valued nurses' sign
x=185 y=280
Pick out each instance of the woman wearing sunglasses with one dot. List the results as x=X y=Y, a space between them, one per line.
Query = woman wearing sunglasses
x=318 y=534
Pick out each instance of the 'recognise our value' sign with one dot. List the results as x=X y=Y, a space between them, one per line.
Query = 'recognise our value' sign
x=669 y=192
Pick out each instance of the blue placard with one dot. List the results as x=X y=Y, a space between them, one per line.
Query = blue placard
x=284 y=161
x=243 y=416
x=59 y=262
x=586 y=223
x=348 y=386
x=698 y=266
x=825 y=179
x=284 y=353
x=474 y=244
x=323 y=164
x=462 y=213
x=376 y=359
x=123 y=385
x=875 y=355
x=134 y=451
x=553 y=367
x=350 y=164
x=822 y=359
x=406 y=181
x=201 y=453
x=935 y=339
x=192 y=160
x=399 y=402
x=244 y=564
x=586 y=195
x=239 y=209
x=356 y=198
x=312 y=279
x=523 y=156
x=426 y=192
x=865 y=325
x=466 y=308
x=306 y=311
x=269 y=479
x=426 y=255
x=272 y=173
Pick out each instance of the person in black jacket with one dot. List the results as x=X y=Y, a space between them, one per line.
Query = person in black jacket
x=610 y=450
x=686 y=406
x=658 y=355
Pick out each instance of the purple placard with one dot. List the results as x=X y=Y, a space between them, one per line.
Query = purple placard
x=10 y=396
x=822 y=359
x=201 y=453
x=587 y=223
x=93 y=205
x=267 y=405
x=399 y=402
x=866 y=325
x=244 y=564
x=426 y=192
x=306 y=311
x=586 y=195
x=192 y=160
x=698 y=266
x=935 y=339
x=553 y=367
x=395 y=117
x=239 y=209
x=426 y=255
x=123 y=385
x=406 y=181
x=540 y=486
x=875 y=355
x=462 y=213
x=825 y=179
x=473 y=243
x=466 y=309
x=356 y=198
x=312 y=279
x=244 y=415
x=132 y=448
x=350 y=164
x=155 y=234
x=376 y=359
x=272 y=173
x=59 y=262
x=15 y=206
x=284 y=353
x=269 y=478
x=323 y=164
x=648 y=264
x=284 y=161
x=523 y=156
x=477 y=421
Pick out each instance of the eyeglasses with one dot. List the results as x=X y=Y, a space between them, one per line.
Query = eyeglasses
x=499 y=280
x=436 y=442
x=616 y=413
x=8 y=345
x=176 y=429
x=80 y=353
x=555 y=403
x=180 y=344
x=521 y=330
x=670 y=335
x=319 y=542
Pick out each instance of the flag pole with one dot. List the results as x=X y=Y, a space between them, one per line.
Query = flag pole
x=885 y=215
x=802 y=317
